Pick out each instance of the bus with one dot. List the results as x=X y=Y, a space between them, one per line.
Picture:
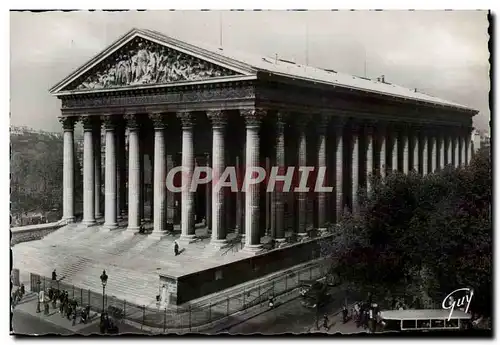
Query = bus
x=424 y=320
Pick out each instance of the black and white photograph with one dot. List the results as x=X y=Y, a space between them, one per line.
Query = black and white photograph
x=244 y=172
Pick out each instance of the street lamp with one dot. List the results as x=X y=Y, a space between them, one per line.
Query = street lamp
x=38 y=283
x=104 y=280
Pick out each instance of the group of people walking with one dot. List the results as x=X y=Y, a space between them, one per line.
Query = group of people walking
x=17 y=295
x=367 y=315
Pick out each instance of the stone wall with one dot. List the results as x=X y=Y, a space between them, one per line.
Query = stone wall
x=32 y=232
x=203 y=283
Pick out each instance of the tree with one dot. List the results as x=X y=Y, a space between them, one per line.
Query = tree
x=424 y=236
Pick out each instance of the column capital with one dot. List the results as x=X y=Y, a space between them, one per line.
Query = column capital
x=132 y=121
x=338 y=124
x=109 y=122
x=88 y=122
x=302 y=120
x=369 y=127
x=68 y=122
x=253 y=117
x=187 y=119
x=217 y=117
x=321 y=122
x=159 y=121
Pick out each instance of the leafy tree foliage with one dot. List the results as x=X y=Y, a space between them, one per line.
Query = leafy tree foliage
x=423 y=237
x=36 y=173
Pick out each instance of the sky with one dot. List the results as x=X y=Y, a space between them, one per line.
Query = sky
x=441 y=53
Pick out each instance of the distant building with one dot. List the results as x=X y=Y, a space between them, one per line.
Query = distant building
x=481 y=139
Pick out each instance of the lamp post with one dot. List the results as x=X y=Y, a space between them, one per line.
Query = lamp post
x=104 y=280
x=38 y=283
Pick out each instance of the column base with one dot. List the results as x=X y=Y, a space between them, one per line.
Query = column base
x=110 y=226
x=280 y=242
x=131 y=230
x=157 y=234
x=322 y=231
x=302 y=236
x=252 y=248
x=218 y=244
x=99 y=215
x=89 y=222
x=69 y=220
x=186 y=239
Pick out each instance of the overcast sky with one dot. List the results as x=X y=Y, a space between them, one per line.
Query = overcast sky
x=444 y=54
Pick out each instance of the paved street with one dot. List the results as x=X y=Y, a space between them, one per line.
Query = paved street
x=23 y=323
x=290 y=317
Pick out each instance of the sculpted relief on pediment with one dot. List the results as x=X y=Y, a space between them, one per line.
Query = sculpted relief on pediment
x=142 y=62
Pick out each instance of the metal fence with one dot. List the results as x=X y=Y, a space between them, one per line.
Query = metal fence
x=194 y=315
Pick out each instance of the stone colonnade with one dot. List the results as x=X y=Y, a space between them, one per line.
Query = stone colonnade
x=351 y=151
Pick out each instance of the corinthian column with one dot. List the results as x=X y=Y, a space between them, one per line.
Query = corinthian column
x=467 y=148
x=321 y=199
x=280 y=162
x=449 y=151
x=462 y=149
x=302 y=196
x=219 y=121
x=68 y=169
x=394 y=149
x=405 y=150
x=382 y=134
x=159 y=175
x=456 y=150
x=133 y=173
x=110 y=173
x=369 y=156
x=96 y=136
x=187 y=202
x=439 y=151
x=170 y=196
x=253 y=118
x=88 y=171
x=120 y=169
x=415 y=151
x=424 y=142
x=355 y=169
x=432 y=152
x=339 y=168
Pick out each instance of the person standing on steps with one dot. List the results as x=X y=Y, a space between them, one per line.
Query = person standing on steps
x=176 y=248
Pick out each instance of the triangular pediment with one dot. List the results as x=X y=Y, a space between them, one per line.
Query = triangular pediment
x=142 y=60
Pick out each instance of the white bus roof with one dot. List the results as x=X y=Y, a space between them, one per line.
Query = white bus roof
x=423 y=314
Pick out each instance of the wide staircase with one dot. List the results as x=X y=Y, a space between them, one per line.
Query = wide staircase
x=132 y=261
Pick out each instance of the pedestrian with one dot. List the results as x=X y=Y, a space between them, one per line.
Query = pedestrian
x=344 y=314
x=23 y=290
x=356 y=314
x=271 y=302
x=325 y=322
x=74 y=317
x=176 y=248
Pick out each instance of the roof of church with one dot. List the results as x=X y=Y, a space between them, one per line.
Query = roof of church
x=251 y=63
x=288 y=68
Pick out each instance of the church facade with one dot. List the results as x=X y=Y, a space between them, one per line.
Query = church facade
x=161 y=100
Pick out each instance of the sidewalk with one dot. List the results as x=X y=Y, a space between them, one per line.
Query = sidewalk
x=28 y=306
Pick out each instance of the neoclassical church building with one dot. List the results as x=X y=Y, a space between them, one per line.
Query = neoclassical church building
x=159 y=100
